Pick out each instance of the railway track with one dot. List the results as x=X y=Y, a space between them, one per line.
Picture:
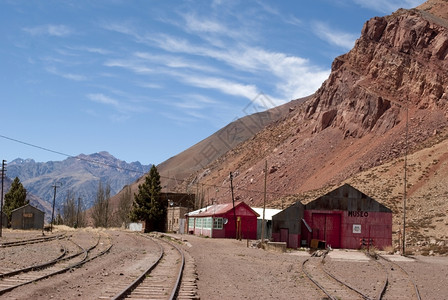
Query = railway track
x=398 y=284
x=17 y=278
x=332 y=287
x=171 y=276
x=32 y=241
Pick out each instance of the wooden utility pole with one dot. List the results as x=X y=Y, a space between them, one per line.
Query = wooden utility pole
x=405 y=180
x=55 y=186
x=233 y=202
x=264 y=200
x=1 y=203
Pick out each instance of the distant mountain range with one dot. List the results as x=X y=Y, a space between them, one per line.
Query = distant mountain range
x=80 y=174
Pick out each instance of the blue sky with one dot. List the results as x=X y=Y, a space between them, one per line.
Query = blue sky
x=145 y=80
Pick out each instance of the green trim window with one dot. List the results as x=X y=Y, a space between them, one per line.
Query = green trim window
x=217 y=223
x=190 y=222
x=207 y=223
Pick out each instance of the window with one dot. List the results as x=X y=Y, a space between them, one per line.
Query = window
x=217 y=223
x=190 y=222
x=207 y=223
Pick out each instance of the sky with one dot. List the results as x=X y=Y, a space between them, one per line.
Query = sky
x=145 y=80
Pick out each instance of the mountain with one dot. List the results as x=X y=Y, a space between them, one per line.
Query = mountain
x=385 y=103
x=80 y=174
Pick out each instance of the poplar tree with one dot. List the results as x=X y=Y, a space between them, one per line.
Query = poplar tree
x=147 y=205
x=100 y=209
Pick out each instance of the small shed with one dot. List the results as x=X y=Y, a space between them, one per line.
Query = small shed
x=27 y=217
x=222 y=221
x=287 y=225
x=268 y=213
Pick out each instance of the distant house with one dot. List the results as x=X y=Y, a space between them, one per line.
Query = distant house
x=221 y=221
x=176 y=219
x=27 y=217
x=178 y=205
x=343 y=218
x=268 y=213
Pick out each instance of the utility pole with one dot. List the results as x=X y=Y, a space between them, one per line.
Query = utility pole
x=233 y=202
x=264 y=201
x=405 y=180
x=55 y=186
x=1 y=203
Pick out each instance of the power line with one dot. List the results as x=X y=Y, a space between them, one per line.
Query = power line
x=131 y=170
x=72 y=156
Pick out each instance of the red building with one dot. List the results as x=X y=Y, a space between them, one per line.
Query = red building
x=343 y=218
x=222 y=221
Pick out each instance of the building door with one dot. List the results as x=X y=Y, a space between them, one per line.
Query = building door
x=327 y=227
x=28 y=221
x=284 y=234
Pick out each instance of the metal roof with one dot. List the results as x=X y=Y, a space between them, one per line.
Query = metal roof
x=216 y=209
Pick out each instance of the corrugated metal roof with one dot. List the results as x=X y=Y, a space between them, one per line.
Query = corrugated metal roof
x=268 y=213
x=216 y=209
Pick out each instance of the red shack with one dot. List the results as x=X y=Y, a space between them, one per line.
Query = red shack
x=218 y=221
x=343 y=218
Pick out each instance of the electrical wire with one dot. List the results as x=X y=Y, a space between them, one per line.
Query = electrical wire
x=134 y=171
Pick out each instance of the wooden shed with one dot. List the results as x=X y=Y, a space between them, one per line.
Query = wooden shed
x=27 y=217
x=220 y=221
x=343 y=218
x=287 y=225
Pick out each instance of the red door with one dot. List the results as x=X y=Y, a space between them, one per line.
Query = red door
x=327 y=227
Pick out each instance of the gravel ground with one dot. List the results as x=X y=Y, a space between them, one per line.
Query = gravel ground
x=227 y=269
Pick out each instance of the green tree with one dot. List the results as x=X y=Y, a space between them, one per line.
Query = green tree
x=147 y=205
x=14 y=198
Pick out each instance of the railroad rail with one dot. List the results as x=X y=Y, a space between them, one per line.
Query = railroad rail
x=18 y=278
x=162 y=278
x=32 y=241
x=398 y=283
x=170 y=275
x=331 y=286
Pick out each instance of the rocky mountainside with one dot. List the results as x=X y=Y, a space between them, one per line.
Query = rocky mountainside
x=384 y=101
x=395 y=80
x=80 y=174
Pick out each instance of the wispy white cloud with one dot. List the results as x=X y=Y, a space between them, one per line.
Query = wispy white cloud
x=333 y=36
x=387 y=6
x=291 y=76
x=49 y=29
x=90 y=49
x=124 y=109
x=70 y=76
x=174 y=61
x=129 y=64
